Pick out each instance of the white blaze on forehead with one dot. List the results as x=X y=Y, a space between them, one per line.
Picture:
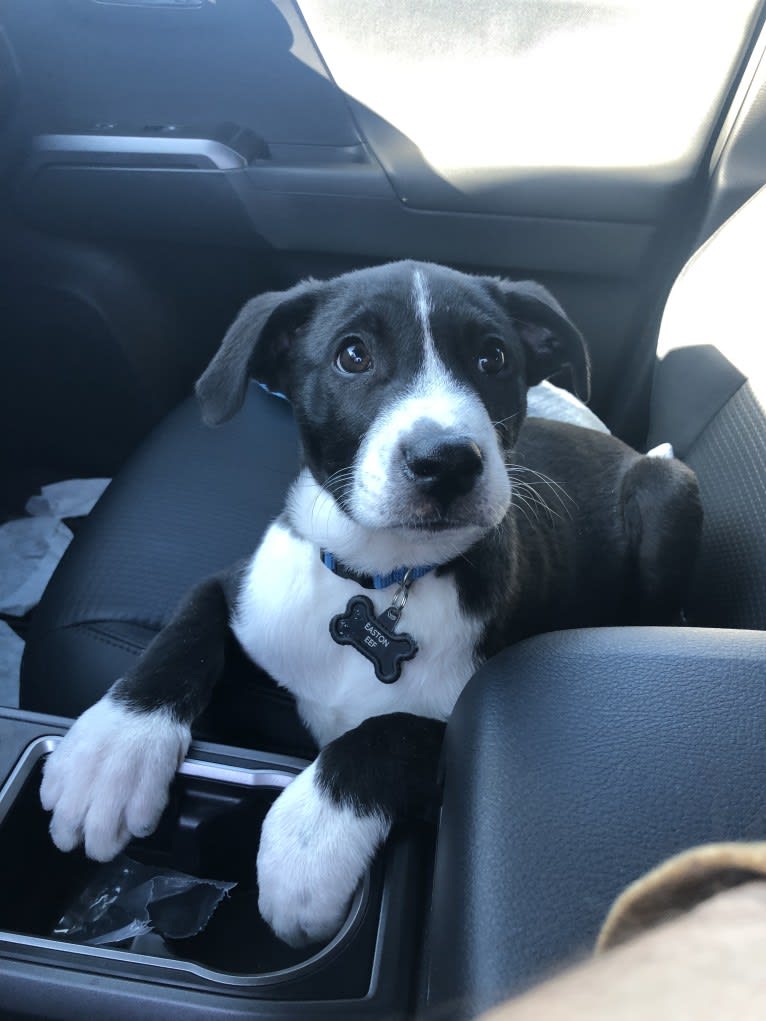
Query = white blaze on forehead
x=422 y=302
x=434 y=374
x=434 y=394
x=434 y=379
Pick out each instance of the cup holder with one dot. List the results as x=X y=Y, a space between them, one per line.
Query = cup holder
x=210 y=829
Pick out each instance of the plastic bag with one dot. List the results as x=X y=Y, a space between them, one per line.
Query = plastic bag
x=72 y=498
x=30 y=550
x=126 y=899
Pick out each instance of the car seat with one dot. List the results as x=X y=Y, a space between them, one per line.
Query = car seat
x=573 y=761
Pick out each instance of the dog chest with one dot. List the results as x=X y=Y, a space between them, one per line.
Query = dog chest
x=282 y=620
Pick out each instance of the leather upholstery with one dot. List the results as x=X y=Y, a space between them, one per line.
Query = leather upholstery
x=574 y=763
x=191 y=501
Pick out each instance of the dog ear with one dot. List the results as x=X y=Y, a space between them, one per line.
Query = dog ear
x=550 y=338
x=255 y=346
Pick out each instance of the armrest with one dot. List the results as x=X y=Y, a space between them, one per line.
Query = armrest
x=575 y=762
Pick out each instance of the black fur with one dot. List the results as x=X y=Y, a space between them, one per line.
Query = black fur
x=551 y=341
x=181 y=666
x=596 y=534
x=387 y=765
x=290 y=346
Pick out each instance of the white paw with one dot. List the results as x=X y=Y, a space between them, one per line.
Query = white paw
x=663 y=450
x=108 y=780
x=312 y=856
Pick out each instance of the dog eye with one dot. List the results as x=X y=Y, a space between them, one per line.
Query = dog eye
x=491 y=357
x=353 y=356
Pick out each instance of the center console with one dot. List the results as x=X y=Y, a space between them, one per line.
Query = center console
x=234 y=966
x=573 y=763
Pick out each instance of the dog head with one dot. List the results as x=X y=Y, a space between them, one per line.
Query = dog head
x=408 y=383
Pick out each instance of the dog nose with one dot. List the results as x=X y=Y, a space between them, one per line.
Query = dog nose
x=444 y=466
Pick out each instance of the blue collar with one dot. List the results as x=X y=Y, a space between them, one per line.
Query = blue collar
x=374 y=581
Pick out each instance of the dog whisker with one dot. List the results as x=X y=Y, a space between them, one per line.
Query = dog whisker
x=338 y=476
x=521 y=506
x=525 y=504
x=539 y=501
x=555 y=488
x=527 y=491
x=549 y=482
x=508 y=418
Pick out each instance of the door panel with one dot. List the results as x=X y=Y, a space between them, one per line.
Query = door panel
x=87 y=62
x=558 y=140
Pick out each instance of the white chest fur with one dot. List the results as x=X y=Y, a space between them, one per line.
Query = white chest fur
x=282 y=621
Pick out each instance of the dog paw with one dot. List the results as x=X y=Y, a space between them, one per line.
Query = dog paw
x=664 y=451
x=109 y=778
x=312 y=855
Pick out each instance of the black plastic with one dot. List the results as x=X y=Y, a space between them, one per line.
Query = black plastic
x=250 y=63
x=211 y=827
x=211 y=830
x=575 y=762
x=156 y=202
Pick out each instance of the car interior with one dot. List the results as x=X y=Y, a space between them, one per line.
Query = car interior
x=163 y=161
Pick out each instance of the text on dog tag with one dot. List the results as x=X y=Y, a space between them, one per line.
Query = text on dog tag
x=374 y=637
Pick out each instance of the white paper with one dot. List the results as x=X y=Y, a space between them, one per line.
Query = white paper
x=11 y=649
x=30 y=549
x=69 y=499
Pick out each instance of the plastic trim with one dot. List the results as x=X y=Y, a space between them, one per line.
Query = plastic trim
x=152 y=965
x=207 y=152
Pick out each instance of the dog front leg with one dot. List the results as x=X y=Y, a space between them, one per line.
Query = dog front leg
x=109 y=778
x=321 y=833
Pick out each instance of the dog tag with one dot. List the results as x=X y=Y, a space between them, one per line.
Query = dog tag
x=374 y=636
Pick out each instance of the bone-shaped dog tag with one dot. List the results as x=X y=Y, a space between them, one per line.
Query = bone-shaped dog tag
x=374 y=637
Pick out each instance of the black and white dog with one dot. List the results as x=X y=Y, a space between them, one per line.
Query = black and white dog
x=430 y=527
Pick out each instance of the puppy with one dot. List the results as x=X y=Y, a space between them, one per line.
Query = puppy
x=429 y=527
